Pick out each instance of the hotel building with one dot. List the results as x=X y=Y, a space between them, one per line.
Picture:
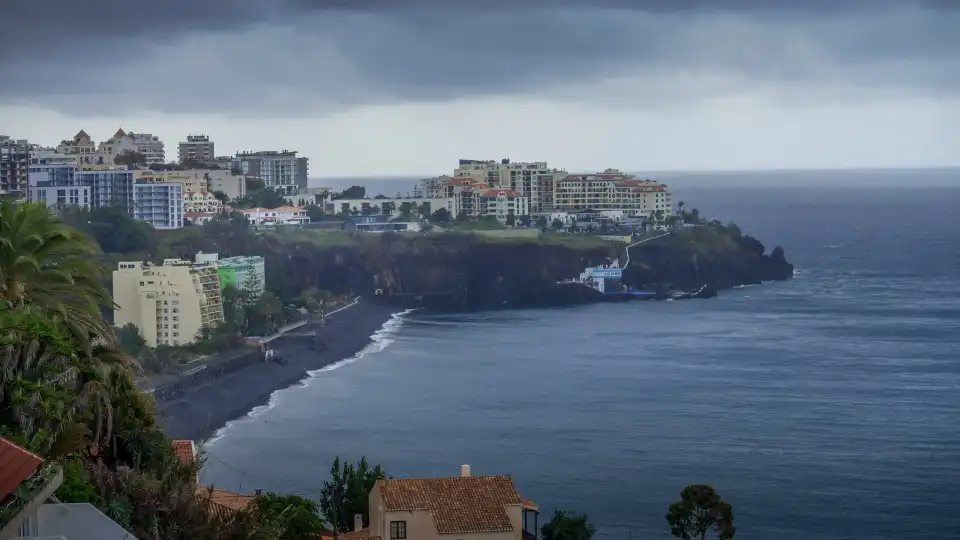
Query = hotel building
x=144 y=143
x=169 y=303
x=611 y=190
x=533 y=180
x=59 y=184
x=278 y=170
x=82 y=146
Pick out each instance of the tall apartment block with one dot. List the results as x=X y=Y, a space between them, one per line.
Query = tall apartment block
x=169 y=303
x=159 y=203
x=57 y=181
x=533 y=180
x=303 y=173
x=198 y=148
x=278 y=170
x=14 y=164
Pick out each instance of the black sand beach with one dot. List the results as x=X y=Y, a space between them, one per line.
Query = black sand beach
x=202 y=409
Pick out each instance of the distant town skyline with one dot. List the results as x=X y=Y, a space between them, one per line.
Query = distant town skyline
x=699 y=85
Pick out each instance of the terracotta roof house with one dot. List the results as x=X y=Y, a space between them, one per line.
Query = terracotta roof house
x=27 y=486
x=221 y=500
x=481 y=507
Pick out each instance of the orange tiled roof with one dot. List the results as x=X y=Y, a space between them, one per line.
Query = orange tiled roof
x=16 y=465
x=496 y=192
x=81 y=135
x=226 y=499
x=184 y=451
x=459 y=504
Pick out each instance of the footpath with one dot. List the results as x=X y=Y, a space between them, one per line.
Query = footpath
x=212 y=361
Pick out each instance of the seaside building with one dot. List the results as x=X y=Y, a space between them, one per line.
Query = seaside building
x=465 y=506
x=414 y=208
x=169 y=303
x=200 y=180
x=14 y=164
x=612 y=190
x=303 y=173
x=197 y=148
x=278 y=170
x=159 y=204
x=144 y=143
x=60 y=184
x=283 y=215
x=500 y=203
x=431 y=188
x=245 y=273
x=533 y=180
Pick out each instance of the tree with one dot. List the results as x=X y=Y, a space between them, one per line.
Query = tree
x=442 y=215
x=131 y=159
x=47 y=264
x=525 y=220
x=557 y=224
x=315 y=213
x=542 y=222
x=511 y=219
x=699 y=511
x=221 y=196
x=407 y=209
x=266 y=311
x=345 y=494
x=352 y=192
x=424 y=210
x=295 y=515
x=264 y=198
x=567 y=526
x=118 y=232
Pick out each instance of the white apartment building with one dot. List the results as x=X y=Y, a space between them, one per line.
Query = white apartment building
x=168 y=303
x=149 y=145
x=232 y=185
x=197 y=148
x=61 y=184
x=284 y=215
x=533 y=180
x=612 y=190
x=500 y=203
x=278 y=170
x=159 y=204
x=387 y=206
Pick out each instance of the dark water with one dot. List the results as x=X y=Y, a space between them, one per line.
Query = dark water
x=826 y=407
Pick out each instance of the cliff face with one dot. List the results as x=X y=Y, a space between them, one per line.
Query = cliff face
x=461 y=272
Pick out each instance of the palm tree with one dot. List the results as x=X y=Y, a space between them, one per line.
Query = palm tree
x=47 y=264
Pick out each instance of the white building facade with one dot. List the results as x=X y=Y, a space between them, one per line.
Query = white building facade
x=159 y=204
x=278 y=170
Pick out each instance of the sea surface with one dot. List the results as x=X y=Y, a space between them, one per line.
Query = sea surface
x=825 y=407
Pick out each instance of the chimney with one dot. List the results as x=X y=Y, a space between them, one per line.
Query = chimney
x=357 y=522
x=464 y=470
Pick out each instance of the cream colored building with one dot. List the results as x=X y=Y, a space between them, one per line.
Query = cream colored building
x=500 y=203
x=200 y=180
x=149 y=145
x=201 y=201
x=612 y=190
x=82 y=146
x=461 y=507
x=169 y=302
x=533 y=180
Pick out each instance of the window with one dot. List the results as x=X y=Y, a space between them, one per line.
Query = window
x=398 y=530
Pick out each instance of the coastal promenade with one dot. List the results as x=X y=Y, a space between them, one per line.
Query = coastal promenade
x=152 y=382
x=202 y=407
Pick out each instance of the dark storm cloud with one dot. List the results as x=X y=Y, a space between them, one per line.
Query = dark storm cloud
x=294 y=54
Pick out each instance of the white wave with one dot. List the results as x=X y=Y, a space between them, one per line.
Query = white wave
x=380 y=340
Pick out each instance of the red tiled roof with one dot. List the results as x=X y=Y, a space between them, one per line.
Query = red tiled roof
x=184 y=451
x=119 y=133
x=225 y=499
x=459 y=504
x=16 y=465
x=81 y=135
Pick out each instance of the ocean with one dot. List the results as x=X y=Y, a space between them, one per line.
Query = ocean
x=825 y=407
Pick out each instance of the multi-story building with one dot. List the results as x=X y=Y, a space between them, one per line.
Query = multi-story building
x=431 y=188
x=159 y=204
x=65 y=184
x=278 y=170
x=169 y=303
x=415 y=207
x=144 y=143
x=14 y=164
x=82 y=146
x=197 y=148
x=201 y=201
x=478 y=507
x=284 y=215
x=532 y=180
x=612 y=190
x=200 y=180
x=303 y=173
x=246 y=273
x=500 y=203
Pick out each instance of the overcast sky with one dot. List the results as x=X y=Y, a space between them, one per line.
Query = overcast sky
x=369 y=87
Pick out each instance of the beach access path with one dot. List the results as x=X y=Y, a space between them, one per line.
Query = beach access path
x=201 y=408
x=150 y=382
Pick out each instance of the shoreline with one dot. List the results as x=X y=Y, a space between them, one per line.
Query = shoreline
x=201 y=410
